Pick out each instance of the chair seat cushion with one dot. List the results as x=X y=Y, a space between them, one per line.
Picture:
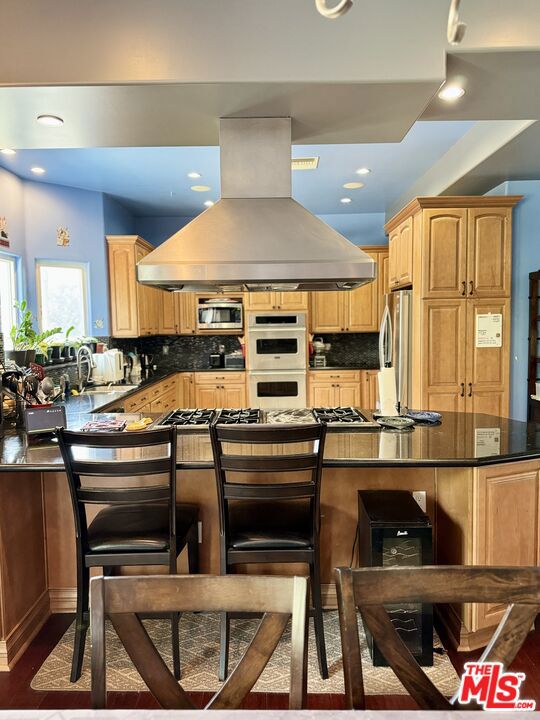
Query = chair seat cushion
x=269 y=525
x=138 y=528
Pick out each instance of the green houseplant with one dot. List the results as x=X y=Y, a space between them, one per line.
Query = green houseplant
x=25 y=339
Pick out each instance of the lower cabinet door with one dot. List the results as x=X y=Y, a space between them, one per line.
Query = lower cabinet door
x=322 y=394
x=348 y=394
x=506 y=516
x=233 y=396
x=207 y=396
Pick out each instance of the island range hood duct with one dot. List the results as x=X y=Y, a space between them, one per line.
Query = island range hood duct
x=256 y=237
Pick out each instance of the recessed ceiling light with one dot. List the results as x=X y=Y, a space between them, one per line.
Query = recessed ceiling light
x=194 y=175
x=208 y=203
x=451 y=92
x=363 y=171
x=200 y=188
x=37 y=170
x=353 y=185
x=50 y=120
x=8 y=151
x=345 y=201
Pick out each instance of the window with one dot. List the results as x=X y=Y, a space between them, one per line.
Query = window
x=62 y=296
x=8 y=296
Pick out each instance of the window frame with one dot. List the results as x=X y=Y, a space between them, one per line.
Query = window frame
x=16 y=261
x=83 y=267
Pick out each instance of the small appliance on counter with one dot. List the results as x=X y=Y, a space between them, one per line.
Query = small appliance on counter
x=109 y=366
x=235 y=360
x=320 y=351
x=214 y=360
x=147 y=361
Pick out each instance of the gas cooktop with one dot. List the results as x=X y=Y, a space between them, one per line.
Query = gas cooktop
x=202 y=418
x=341 y=416
x=337 y=418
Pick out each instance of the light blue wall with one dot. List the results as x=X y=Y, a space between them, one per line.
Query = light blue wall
x=117 y=220
x=361 y=229
x=48 y=207
x=158 y=229
x=525 y=259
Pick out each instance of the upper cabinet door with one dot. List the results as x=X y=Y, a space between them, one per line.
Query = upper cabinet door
x=123 y=290
x=167 y=313
x=405 y=252
x=328 y=311
x=185 y=313
x=489 y=252
x=292 y=300
x=363 y=305
x=393 y=260
x=444 y=253
x=261 y=301
x=145 y=299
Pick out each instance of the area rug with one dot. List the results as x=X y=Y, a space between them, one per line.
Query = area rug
x=199 y=653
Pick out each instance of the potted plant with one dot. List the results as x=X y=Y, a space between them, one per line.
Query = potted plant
x=90 y=341
x=69 y=351
x=25 y=339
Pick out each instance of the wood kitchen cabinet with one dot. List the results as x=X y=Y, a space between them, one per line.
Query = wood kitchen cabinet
x=485 y=516
x=340 y=388
x=400 y=249
x=186 y=390
x=459 y=376
x=461 y=268
x=167 y=314
x=369 y=389
x=135 y=308
x=220 y=390
x=351 y=311
x=276 y=301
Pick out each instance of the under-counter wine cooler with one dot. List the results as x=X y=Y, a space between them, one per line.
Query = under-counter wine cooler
x=394 y=531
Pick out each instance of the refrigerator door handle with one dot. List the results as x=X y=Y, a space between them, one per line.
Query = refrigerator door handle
x=385 y=337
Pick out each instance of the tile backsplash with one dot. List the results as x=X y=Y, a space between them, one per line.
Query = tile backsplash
x=355 y=350
x=186 y=352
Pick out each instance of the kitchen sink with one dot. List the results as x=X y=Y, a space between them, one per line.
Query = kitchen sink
x=108 y=388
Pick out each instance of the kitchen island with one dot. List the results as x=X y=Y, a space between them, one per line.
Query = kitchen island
x=479 y=474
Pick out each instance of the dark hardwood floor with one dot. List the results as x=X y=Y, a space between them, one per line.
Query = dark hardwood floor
x=15 y=690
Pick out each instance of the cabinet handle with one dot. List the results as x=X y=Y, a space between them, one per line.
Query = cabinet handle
x=471 y=287
x=464 y=291
x=470 y=389
x=462 y=394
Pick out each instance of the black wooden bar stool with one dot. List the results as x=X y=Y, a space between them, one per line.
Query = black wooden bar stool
x=264 y=522
x=142 y=523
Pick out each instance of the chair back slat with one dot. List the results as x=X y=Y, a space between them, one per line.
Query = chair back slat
x=280 y=491
x=267 y=434
x=269 y=463
x=122 y=598
x=139 y=439
x=121 y=468
x=369 y=589
x=122 y=496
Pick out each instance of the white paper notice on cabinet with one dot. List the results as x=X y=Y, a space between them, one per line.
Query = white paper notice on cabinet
x=487 y=442
x=489 y=330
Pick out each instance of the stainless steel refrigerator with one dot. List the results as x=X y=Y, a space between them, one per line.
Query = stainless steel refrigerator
x=395 y=342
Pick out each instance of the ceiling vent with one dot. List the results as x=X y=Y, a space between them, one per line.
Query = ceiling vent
x=305 y=163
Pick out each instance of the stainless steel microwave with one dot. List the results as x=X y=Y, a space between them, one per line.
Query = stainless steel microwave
x=220 y=314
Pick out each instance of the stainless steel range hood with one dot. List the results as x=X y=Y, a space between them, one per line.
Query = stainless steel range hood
x=256 y=237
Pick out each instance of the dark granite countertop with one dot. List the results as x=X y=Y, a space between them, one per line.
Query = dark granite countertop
x=342 y=367
x=460 y=440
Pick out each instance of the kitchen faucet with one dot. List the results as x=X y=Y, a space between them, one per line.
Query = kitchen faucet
x=84 y=354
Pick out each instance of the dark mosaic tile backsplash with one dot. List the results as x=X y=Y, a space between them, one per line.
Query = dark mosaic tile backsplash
x=190 y=352
x=356 y=350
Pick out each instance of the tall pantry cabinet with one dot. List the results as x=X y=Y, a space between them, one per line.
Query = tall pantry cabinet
x=455 y=253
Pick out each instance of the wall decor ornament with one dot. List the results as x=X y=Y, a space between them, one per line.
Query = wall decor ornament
x=4 y=239
x=332 y=13
x=62 y=236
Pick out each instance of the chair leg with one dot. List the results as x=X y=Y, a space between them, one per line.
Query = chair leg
x=81 y=620
x=175 y=619
x=316 y=599
x=193 y=550
x=224 y=646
